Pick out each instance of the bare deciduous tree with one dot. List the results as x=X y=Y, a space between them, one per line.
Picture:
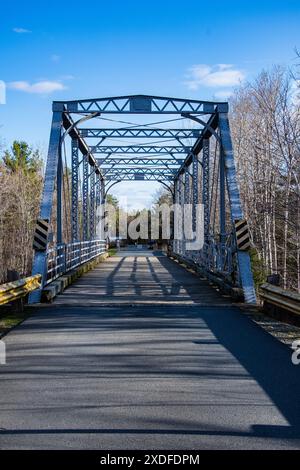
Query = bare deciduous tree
x=266 y=133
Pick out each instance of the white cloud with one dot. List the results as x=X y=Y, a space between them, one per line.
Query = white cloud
x=21 y=30
x=219 y=75
x=42 y=87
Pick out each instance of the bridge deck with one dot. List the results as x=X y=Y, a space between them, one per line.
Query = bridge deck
x=171 y=375
x=141 y=277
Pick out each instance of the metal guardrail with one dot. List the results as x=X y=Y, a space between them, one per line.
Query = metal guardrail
x=17 y=289
x=280 y=298
x=66 y=256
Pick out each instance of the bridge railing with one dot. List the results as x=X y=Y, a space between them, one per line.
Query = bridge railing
x=216 y=258
x=66 y=256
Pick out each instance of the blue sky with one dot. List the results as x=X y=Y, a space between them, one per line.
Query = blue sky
x=195 y=49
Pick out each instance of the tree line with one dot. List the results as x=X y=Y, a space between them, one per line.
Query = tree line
x=21 y=181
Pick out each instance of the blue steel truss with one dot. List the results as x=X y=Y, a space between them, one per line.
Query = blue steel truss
x=193 y=159
x=144 y=149
x=141 y=174
x=140 y=104
x=140 y=133
x=149 y=161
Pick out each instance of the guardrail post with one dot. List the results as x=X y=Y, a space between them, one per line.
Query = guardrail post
x=16 y=305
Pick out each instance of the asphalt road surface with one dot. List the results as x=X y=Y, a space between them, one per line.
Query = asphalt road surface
x=167 y=364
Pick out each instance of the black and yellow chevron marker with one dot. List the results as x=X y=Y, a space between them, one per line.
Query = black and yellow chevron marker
x=41 y=235
x=242 y=234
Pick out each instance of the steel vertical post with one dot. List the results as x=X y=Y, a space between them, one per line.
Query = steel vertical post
x=98 y=205
x=74 y=209
x=180 y=201
x=175 y=217
x=92 y=203
x=205 y=188
x=98 y=190
x=222 y=208
x=103 y=216
x=59 y=208
x=195 y=196
x=85 y=197
x=186 y=220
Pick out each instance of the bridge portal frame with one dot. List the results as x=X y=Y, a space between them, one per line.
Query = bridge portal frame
x=163 y=163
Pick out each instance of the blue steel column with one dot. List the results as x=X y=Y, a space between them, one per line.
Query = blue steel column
x=98 y=204
x=195 y=191
x=92 y=204
x=74 y=210
x=181 y=202
x=103 y=217
x=59 y=209
x=222 y=208
x=175 y=217
x=186 y=204
x=236 y=211
x=180 y=224
x=40 y=257
x=98 y=190
x=205 y=188
x=85 y=197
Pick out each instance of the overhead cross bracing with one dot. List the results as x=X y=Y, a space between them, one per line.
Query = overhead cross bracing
x=147 y=174
x=140 y=133
x=183 y=144
x=175 y=140
x=121 y=149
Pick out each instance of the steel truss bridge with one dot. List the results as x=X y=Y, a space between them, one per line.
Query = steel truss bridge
x=184 y=144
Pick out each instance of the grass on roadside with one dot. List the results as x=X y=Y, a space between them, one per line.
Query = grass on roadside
x=9 y=319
